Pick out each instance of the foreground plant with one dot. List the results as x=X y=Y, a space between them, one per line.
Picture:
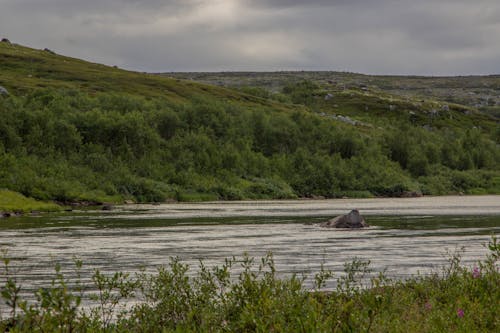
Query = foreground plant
x=247 y=296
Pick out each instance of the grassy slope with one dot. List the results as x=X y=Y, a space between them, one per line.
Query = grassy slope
x=369 y=97
x=12 y=201
x=24 y=69
x=477 y=92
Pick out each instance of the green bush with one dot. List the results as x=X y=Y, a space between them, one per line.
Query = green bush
x=68 y=145
x=189 y=196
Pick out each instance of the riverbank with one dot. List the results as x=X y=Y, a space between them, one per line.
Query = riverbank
x=16 y=204
x=13 y=202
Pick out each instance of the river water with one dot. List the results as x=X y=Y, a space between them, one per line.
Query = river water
x=406 y=236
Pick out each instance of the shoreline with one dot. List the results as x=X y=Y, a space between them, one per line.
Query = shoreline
x=424 y=205
x=443 y=205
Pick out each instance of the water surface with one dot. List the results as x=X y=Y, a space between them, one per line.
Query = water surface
x=406 y=236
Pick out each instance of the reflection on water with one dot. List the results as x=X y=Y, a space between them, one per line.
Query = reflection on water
x=131 y=239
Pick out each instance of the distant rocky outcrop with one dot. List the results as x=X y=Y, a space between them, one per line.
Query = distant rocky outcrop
x=5 y=40
x=353 y=220
x=346 y=119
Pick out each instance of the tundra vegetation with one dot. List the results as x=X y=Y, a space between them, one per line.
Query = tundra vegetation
x=455 y=299
x=479 y=92
x=73 y=131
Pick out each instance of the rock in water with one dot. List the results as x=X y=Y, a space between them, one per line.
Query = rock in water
x=107 y=207
x=352 y=220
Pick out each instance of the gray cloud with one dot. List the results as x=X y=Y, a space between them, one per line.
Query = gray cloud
x=376 y=36
x=313 y=3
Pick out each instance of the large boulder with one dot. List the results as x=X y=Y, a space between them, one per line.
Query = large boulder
x=352 y=220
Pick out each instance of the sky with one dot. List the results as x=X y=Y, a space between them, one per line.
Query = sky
x=418 y=37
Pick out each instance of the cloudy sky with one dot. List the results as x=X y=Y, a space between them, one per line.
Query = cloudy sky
x=435 y=37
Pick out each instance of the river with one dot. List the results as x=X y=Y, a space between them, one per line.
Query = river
x=406 y=236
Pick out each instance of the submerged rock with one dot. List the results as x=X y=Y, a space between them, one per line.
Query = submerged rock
x=352 y=220
x=107 y=207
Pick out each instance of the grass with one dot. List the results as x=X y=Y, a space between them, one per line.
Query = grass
x=455 y=299
x=26 y=69
x=15 y=202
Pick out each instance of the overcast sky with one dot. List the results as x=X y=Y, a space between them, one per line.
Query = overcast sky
x=434 y=37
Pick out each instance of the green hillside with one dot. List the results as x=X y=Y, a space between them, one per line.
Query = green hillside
x=481 y=93
x=74 y=131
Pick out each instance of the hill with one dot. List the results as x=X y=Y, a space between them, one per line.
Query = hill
x=481 y=93
x=74 y=131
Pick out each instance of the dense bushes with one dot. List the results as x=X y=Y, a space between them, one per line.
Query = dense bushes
x=69 y=146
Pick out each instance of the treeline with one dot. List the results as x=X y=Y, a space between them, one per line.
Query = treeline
x=67 y=145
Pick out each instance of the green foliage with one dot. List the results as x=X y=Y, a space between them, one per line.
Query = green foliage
x=256 y=91
x=302 y=92
x=75 y=131
x=246 y=295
